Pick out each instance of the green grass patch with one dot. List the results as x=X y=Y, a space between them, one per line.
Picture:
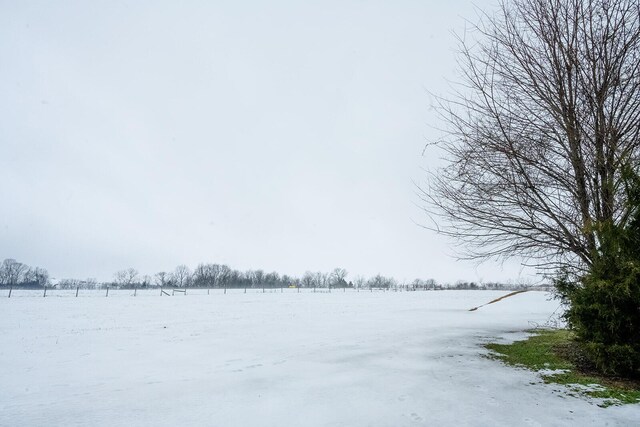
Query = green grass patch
x=559 y=358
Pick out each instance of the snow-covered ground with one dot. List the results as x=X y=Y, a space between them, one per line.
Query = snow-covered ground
x=272 y=359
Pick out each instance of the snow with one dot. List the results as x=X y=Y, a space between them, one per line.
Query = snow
x=276 y=359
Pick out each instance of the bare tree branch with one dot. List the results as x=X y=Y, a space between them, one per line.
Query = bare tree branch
x=545 y=118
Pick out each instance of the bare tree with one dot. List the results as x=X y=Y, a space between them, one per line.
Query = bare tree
x=146 y=281
x=287 y=280
x=337 y=277
x=211 y=275
x=224 y=274
x=162 y=279
x=430 y=283
x=417 y=284
x=204 y=275
x=71 y=284
x=321 y=280
x=307 y=280
x=359 y=281
x=126 y=278
x=546 y=118
x=38 y=276
x=251 y=277
x=91 y=283
x=258 y=278
x=272 y=279
x=381 y=282
x=12 y=272
x=181 y=276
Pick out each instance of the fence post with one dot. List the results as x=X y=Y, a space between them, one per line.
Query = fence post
x=10 y=289
x=45 y=291
x=208 y=291
x=107 y=294
x=225 y=288
x=77 y=289
x=263 y=287
x=135 y=291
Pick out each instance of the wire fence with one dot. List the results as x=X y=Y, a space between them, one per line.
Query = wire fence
x=108 y=292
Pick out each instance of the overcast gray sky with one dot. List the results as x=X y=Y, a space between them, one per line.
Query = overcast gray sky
x=274 y=135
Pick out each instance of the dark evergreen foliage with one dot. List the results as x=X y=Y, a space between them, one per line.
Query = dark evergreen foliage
x=604 y=305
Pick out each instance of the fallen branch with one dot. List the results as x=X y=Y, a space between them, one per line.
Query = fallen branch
x=500 y=299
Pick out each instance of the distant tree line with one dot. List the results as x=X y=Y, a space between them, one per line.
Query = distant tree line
x=223 y=276
x=17 y=275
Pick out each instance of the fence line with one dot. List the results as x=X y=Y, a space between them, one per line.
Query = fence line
x=212 y=292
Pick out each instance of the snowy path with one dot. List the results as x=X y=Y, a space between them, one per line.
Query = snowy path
x=340 y=359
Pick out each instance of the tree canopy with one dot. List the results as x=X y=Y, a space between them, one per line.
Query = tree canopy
x=538 y=132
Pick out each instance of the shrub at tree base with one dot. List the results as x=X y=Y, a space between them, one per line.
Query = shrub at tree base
x=605 y=315
x=604 y=305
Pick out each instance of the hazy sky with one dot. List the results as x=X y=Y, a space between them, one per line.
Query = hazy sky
x=274 y=135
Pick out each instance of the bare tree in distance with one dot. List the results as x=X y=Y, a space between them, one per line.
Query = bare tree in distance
x=91 y=283
x=251 y=277
x=36 y=275
x=181 y=276
x=162 y=279
x=11 y=272
x=537 y=134
x=430 y=284
x=359 y=282
x=418 y=283
x=126 y=278
x=258 y=278
x=288 y=281
x=211 y=275
x=205 y=275
x=271 y=279
x=235 y=277
x=146 y=281
x=381 y=282
x=224 y=274
x=321 y=279
x=215 y=274
x=307 y=280
x=338 y=276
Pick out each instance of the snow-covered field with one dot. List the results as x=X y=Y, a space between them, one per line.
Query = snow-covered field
x=272 y=359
